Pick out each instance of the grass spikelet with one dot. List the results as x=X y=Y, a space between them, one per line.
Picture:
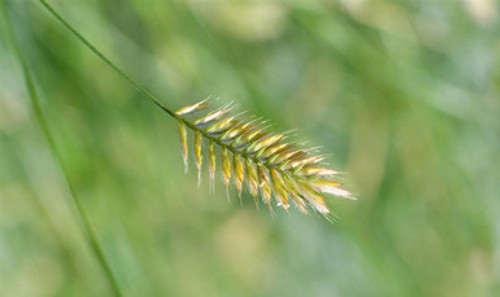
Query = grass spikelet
x=211 y=117
x=294 y=192
x=192 y=108
x=280 y=191
x=239 y=172
x=226 y=168
x=211 y=165
x=222 y=125
x=252 y=178
x=275 y=149
x=198 y=143
x=184 y=147
x=317 y=171
x=265 y=185
x=264 y=160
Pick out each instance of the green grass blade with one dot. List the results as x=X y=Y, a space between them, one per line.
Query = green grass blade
x=44 y=127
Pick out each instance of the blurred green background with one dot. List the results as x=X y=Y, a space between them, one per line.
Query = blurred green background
x=403 y=95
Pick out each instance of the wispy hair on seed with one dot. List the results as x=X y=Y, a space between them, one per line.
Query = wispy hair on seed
x=262 y=160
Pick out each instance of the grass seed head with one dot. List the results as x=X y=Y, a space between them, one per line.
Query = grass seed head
x=261 y=159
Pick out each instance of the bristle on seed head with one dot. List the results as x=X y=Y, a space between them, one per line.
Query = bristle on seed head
x=261 y=159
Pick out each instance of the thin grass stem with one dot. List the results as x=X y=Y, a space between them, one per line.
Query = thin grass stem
x=101 y=56
x=258 y=142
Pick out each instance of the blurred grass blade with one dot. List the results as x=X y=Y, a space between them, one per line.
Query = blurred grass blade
x=44 y=127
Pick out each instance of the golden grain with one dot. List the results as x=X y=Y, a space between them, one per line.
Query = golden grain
x=260 y=158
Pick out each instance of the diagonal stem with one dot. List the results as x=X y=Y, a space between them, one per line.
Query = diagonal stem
x=145 y=92
x=288 y=173
x=136 y=85
x=44 y=126
x=101 y=56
